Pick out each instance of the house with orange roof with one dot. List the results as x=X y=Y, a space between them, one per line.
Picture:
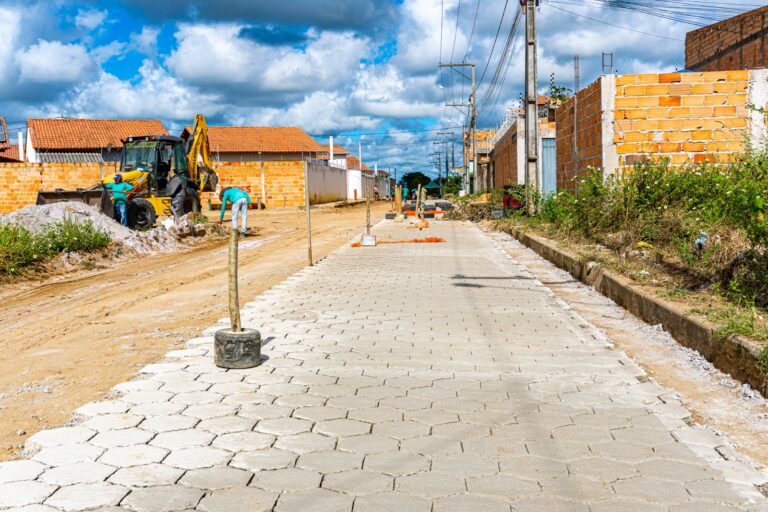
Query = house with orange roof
x=84 y=140
x=9 y=152
x=260 y=143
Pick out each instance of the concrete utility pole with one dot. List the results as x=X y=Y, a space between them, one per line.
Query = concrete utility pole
x=471 y=118
x=576 y=87
x=531 y=109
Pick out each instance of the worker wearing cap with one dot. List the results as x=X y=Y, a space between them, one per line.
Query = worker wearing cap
x=119 y=189
x=240 y=201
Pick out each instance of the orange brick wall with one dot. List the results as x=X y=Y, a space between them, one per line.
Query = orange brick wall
x=686 y=117
x=504 y=158
x=20 y=182
x=284 y=181
x=589 y=135
x=737 y=43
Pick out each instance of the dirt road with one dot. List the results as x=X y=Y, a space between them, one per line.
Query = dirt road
x=67 y=341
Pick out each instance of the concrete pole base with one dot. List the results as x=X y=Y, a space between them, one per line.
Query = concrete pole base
x=237 y=350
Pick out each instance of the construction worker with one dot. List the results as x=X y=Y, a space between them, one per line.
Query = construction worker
x=240 y=201
x=119 y=189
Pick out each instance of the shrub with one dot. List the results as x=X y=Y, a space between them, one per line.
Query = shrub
x=20 y=248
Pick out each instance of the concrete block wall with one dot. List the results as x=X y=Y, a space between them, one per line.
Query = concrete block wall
x=740 y=42
x=20 y=182
x=684 y=117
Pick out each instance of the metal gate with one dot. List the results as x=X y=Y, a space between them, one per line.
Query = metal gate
x=548 y=166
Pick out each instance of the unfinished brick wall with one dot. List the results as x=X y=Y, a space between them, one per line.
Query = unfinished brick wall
x=20 y=182
x=589 y=135
x=736 y=43
x=504 y=159
x=685 y=117
x=284 y=181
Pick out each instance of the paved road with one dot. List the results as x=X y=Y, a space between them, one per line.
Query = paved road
x=411 y=377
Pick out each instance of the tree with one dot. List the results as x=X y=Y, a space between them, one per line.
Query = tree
x=453 y=185
x=412 y=180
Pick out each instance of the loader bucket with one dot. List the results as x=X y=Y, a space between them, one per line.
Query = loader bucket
x=94 y=197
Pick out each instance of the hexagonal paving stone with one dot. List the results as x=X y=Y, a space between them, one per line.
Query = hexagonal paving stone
x=576 y=488
x=306 y=442
x=124 y=437
x=197 y=458
x=156 y=409
x=622 y=451
x=396 y=463
x=103 y=407
x=288 y=479
x=163 y=498
x=197 y=398
x=430 y=445
x=16 y=470
x=169 y=423
x=550 y=504
x=358 y=482
x=495 y=447
x=137 y=455
x=178 y=439
x=401 y=429
x=376 y=415
x=146 y=397
x=466 y=464
x=405 y=403
x=264 y=411
x=204 y=412
x=470 y=503
x=68 y=454
x=246 y=499
x=559 y=450
x=260 y=460
x=431 y=485
x=189 y=386
x=330 y=461
x=18 y=494
x=651 y=489
x=674 y=470
x=87 y=496
x=58 y=437
x=243 y=441
x=507 y=486
x=113 y=421
x=390 y=501
x=368 y=444
x=600 y=469
x=78 y=472
x=341 y=427
x=319 y=413
x=283 y=426
x=613 y=505
x=533 y=468
x=642 y=436
x=431 y=417
x=146 y=476
x=314 y=500
x=226 y=424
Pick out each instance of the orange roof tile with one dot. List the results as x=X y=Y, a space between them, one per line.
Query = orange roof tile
x=8 y=150
x=354 y=163
x=252 y=139
x=89 y=133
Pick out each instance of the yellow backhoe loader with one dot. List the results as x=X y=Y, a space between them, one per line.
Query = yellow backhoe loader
x=167 y=175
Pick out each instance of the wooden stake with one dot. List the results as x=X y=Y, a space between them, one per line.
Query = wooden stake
x=309 y=220
x=234 y=301
x=367 y=216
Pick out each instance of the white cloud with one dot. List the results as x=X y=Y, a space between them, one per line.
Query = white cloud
x=419 y=41
x=10 y=27
x=145 y=42
x=53 y=61
x=90 y=19
x=102 y=54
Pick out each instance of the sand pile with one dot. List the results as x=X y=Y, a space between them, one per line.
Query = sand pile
x=36 y=218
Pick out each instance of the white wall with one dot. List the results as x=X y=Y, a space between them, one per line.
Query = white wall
x=354 y=185
x=326 y=184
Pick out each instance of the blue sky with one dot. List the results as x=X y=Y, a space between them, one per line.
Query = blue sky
x=363 y=70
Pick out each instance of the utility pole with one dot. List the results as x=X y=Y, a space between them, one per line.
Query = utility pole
x=471 y=117
x=576 y=87
x=531 y=109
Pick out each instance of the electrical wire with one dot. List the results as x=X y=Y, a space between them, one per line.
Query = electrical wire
x=614 y=25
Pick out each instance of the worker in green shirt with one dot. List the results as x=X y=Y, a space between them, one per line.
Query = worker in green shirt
x=240 y=201
x=119 y=189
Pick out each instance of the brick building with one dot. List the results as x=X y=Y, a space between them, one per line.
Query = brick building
x=736 y=43
x=84 y=140
x=683 y=117
x=9 y=152
x=508 y=155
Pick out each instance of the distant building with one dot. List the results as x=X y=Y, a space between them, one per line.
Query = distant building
x=9 y=152
x=257 y=143
x=84 y=140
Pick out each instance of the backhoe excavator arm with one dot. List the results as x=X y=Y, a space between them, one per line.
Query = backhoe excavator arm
x=199 y=152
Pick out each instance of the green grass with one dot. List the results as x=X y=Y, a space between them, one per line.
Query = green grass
x=764 y=359
x=21 y=249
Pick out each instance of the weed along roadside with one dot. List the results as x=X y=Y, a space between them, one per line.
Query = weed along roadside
x=684 y=247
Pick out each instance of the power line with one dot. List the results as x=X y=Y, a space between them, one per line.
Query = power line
x=490 y=55
x=472 y=32
x=614 y=25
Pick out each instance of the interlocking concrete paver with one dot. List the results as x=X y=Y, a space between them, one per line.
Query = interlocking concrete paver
x=494 y=397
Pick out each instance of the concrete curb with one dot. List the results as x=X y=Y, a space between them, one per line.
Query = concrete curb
x=735 y=355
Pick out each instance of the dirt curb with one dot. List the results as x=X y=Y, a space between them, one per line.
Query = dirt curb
x=735 y=355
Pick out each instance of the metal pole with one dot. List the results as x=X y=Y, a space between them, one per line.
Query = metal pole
x=531 y=110
x=234 y=301
x=474 y=127
x=309 y=220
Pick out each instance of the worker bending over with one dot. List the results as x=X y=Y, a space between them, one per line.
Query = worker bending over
x=240 y=201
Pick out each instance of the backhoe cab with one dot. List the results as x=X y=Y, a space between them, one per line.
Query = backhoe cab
x=167 y=175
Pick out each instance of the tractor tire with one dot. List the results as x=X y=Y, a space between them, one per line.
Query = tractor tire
x=141 y=214
x=191 y=202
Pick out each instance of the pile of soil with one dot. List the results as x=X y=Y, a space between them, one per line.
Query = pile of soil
x=36 y=218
